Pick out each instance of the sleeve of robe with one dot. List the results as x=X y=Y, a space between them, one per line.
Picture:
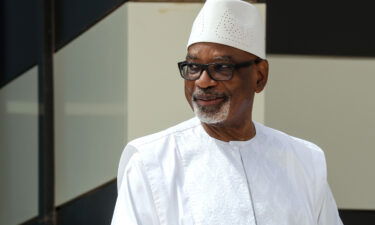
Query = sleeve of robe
x=328 y=212
x=327 y=208
x=134 y=205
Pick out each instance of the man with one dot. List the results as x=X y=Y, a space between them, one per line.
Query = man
x=221 y=167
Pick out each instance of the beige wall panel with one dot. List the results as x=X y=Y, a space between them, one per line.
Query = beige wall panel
x=90 y=90
x=259 y=101
x=157 y=38
x=19 y=149
x=330 y=101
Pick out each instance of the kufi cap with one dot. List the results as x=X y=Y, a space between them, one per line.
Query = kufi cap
x=230 y=22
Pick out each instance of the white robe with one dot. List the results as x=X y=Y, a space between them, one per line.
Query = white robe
x=182 y=176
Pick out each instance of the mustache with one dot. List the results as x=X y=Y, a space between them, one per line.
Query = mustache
x=208 y=94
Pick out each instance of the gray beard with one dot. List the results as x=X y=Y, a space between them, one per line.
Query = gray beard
x=212 y=115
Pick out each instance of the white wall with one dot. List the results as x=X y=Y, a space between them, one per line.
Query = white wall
x=329 y=100
x=157 y=35
x=19 y=149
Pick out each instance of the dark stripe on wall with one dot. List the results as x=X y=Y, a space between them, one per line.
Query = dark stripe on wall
x=19 y=41
x=75 y=17
x=46 y=164
x=33 y=221
x=2 y=38
x=357 y=217
x=18 y=22
x=321 y=27
x=93 y=208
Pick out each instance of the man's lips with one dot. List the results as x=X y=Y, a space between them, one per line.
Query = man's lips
x=209 y=100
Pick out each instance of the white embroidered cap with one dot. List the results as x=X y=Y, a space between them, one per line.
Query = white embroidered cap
x=230 y=22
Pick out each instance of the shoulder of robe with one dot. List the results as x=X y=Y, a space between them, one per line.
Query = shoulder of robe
x=151 y=146
x=302 y=158
x=309 y=154
x=157 y=139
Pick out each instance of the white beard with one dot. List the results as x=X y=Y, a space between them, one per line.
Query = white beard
x=212 y=117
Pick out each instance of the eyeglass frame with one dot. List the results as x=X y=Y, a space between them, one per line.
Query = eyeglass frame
x=204 y=67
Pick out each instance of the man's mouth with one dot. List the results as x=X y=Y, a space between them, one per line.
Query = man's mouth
x=209 y=100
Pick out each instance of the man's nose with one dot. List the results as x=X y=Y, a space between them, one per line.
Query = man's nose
x=205 y=80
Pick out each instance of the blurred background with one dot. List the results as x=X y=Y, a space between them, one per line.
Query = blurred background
x=81 y=78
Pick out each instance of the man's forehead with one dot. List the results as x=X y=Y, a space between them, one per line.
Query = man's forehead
x=219 y=57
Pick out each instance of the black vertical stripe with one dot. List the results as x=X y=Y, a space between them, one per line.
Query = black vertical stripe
x=46 y=200
x=2 y=40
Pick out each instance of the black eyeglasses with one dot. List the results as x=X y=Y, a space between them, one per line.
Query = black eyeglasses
x=216 y=71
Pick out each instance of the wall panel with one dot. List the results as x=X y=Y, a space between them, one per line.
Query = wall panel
x=329 y=101
x=19 y=149
x=90 y=106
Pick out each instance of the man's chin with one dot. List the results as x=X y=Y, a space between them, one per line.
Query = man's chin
x=211 y=115
x=209 y=110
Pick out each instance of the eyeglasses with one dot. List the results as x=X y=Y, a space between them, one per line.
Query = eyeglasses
x=216 y=71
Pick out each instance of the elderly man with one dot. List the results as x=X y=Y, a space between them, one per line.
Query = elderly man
x=221 y=167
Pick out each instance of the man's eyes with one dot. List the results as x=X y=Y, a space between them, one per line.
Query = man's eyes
x=220 y=67
x=193 y=66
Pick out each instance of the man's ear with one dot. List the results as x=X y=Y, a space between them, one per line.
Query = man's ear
x=262 y=75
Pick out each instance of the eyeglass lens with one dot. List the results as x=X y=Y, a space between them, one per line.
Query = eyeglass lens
x=193 y=71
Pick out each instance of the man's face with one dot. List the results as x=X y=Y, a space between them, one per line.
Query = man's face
x=223 y=103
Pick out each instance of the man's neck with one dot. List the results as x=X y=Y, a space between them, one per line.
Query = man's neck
x=240 y=132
